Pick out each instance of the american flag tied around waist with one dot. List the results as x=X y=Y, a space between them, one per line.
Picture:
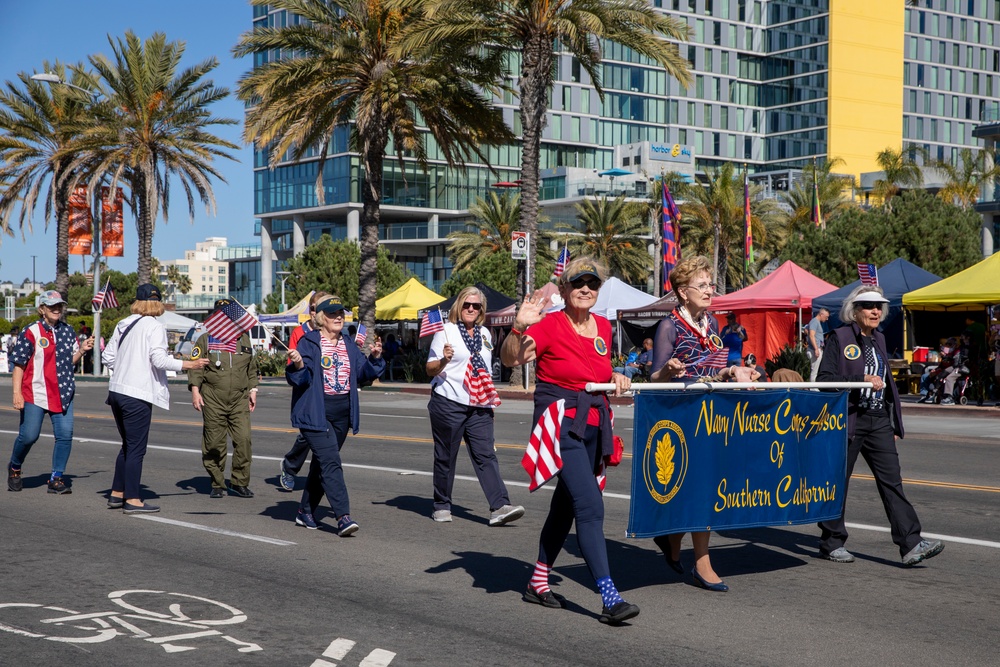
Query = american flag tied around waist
x=542 y=459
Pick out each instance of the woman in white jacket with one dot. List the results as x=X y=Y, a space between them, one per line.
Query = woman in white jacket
x=137 y=355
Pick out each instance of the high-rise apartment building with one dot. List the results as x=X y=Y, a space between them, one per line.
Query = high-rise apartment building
x=776 y=83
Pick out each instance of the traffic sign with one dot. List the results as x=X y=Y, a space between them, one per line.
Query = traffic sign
x=519 y=242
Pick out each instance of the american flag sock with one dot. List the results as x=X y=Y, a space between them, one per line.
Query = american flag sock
x=540 y=578
x=608 y=592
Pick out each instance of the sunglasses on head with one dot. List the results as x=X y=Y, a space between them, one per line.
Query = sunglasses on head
x=868 y=305
x=474 y=306
x=592 y=283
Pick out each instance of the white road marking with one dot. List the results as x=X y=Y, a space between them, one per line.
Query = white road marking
x=467 y=478
x=377 y=658
x=217 y=531
x=338 y=648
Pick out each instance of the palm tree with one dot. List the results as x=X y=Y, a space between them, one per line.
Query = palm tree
x=612 y=231
x=717 y=213
x=537 y=28
x=153 y=125
x=899 y=169
x=350 y=62
x=831 y=188
x=37 y=123
x=966 y=180
x=180 y=281
x=493 y=218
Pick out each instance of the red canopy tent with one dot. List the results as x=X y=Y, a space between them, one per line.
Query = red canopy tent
x=772 y=309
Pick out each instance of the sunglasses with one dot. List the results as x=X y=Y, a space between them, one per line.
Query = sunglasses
x=868 y=305
x=592 y=283
x=474 y=306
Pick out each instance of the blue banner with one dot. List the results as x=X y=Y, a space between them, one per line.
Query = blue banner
x=736 y=459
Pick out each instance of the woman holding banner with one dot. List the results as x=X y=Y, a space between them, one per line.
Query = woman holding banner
x=326 y=370
x=688 y=346
x=572 y=436
x=462 y=401
x=856 y=352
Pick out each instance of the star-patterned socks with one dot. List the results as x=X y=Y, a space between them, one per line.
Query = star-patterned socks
x=540 y=578
x=608 y=592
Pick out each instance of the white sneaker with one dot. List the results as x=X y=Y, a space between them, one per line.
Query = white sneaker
x=442 y=516
x=506 y=514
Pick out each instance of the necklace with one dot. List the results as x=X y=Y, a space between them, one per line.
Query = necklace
x=580 y=329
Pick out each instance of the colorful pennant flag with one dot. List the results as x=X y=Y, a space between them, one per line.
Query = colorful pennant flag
x=229 y=322
x=747 y=227
x=868 y=274
x=104 y=298
x=362 y=334
x=671 y=236
x=561 y=262
x=817 y=215
x=431 y=322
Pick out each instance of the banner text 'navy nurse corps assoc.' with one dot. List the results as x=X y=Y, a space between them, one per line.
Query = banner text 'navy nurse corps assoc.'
x=736 y=459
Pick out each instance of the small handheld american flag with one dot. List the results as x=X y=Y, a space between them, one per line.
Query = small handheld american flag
x=359 y=337
x=868 y=274
x=431 y=322
x=105 y=298
x=561 y=262
x=229 y=322
x=717 y=360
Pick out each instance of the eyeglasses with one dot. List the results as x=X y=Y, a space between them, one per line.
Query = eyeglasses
x=473 y=306
x=704 y=288
x=592 y=283
x=868 y=305
x=338 y=315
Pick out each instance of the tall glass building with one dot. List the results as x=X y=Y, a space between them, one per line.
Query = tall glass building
x=776 y=83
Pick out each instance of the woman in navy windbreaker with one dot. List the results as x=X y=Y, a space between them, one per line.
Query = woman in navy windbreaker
x=326 y=370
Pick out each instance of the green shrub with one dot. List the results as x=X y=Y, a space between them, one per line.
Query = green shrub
x=790 y=357
x=5 y=327
x=415 y=365
x=271 y=365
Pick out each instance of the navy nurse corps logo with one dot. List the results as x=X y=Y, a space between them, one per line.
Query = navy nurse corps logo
x=600 y=346
x=664 y=461
x=852 y=351
x=43 y=343
x=326 y=362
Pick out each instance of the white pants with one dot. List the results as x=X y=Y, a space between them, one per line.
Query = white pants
x=815 y=366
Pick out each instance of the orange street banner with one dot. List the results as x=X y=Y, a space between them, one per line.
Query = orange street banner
x=112 y=226
x=80 y=236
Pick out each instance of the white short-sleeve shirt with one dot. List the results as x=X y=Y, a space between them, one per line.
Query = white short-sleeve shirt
x=450 y=383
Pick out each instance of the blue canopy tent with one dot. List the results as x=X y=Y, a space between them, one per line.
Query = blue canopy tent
x=896 y=279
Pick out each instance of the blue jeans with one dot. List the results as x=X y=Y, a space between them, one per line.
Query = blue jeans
x=31 y=426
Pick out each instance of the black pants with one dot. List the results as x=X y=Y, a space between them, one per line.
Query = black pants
x=132 y=417
x=874 y=440
x=450 y=422
x=296 y=456
x=326 y=473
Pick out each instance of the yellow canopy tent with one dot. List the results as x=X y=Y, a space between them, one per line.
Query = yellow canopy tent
x=404 y=303
x=973 y=289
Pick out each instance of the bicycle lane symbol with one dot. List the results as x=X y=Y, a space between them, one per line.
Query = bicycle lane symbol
x=93 y=628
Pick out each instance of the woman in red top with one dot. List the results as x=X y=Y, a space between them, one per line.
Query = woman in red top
x=573 y=433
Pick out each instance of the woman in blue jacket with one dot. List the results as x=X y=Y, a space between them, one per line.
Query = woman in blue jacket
x=325 y=370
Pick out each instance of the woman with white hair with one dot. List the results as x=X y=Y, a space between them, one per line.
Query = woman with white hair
x=856 y=352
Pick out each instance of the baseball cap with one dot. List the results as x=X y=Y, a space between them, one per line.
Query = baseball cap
x=50 y=298
x=584 y=270
x=147 y=292
x=329 y=304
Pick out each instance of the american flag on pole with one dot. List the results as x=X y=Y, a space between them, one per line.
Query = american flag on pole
x=105 y=298
x=216 y=345
x=359 y=337
x=561 y=262
x=868 y=274
x=229 y=322
x=431 y=322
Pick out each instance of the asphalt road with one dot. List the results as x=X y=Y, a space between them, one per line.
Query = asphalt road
x=235 y=581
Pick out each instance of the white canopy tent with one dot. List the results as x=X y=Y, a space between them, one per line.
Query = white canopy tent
x=171 y=321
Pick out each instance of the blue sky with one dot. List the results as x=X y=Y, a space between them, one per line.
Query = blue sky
x=39 y=30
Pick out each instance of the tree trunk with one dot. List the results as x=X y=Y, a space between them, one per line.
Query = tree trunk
x=371 y=198
x=717 y=229
x=535 y=81
x=62 y=236
x=144 y=225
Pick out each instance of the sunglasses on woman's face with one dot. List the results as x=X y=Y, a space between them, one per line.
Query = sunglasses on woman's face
x=592 y=283
x=473 y=306
x=869 y=305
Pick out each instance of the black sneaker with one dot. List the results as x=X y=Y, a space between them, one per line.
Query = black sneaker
x=546 y=599
x=145 y=508
x=241 y=491
x=13 y=479
x=217 y=493
x=57 y=485
x=619 y=613
x=115 y=503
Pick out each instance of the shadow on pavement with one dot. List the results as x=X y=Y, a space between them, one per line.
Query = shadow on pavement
x=425 y=507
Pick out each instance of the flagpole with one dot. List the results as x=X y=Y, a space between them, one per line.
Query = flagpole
x=261 y=324
x=746 y=222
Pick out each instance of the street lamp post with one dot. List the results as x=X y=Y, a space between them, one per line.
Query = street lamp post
x=53 y=79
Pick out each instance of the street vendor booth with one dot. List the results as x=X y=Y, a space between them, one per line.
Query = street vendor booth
x=406 y=302
x=773 y=309
x=638 y=324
